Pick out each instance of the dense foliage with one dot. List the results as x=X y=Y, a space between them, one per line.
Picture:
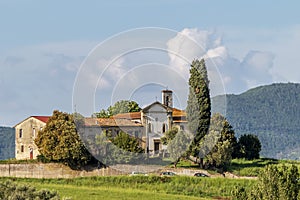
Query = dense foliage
x=272 y=113
x=10 y=190
x=221 y=154
x=248 y=147
x=275 y=182
x=198 y=105
x=121 y=148
x=169 y=135
x=7 y=143
x=58 y=141
x=123 y=106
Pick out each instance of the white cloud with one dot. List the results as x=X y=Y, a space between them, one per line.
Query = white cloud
x=225 y=72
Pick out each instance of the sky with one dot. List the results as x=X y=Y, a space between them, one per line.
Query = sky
x=85 y=55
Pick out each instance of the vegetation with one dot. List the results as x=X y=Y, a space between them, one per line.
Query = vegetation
x=274 y=183
x=272 y=113
x=7 y=143
x=198 y=106
x=140 y=187
x=119 y=149
x=123 y=106
x=58 y=141
x=10 y=190
x=178 y=147
x=248 y=147
x=221 y=154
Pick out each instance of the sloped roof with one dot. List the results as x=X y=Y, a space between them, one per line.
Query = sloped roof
x=178 y=113
x=156 y=102
x=110 y=122
x=131 y=115
x=42 y=118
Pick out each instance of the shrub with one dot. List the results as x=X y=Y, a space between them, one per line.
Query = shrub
x=10 y=190
x=275 y=182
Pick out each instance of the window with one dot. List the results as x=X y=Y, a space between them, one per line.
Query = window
x=164 y=128
x=20 y=133
x=22 y=148
x=149 y=128
x=33 y=132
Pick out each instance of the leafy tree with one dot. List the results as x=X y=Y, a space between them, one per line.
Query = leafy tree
x=119 y=149
x=58 y=141
x=275 y=182
x=198 y=105
x=249 y=147
x=123 y=106
x=178 y=146
x=127 y=143
x=169 y=135
x=221 y=154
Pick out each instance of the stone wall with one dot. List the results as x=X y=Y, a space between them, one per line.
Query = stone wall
x=51 y=171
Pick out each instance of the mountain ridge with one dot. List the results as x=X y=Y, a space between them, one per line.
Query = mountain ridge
x=272 y=112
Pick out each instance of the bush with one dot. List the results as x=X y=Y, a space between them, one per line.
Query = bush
x=275 y=182
x=10 y=190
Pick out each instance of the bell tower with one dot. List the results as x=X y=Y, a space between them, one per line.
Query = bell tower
x=167 y=98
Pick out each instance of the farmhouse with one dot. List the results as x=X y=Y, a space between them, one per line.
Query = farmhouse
x=25 y=133
x=148 y=126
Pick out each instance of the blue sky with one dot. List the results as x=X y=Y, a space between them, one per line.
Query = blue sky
x=43 y=44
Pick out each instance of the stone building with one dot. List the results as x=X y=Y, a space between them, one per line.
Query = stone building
x=25 y=133
x=155 y=119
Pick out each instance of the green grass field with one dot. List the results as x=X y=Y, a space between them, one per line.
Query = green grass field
x=153 y=187
x=138 y=187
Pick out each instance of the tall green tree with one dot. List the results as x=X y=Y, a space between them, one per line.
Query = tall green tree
x=249 y=147
x=58 y=141
x=123 y=106
x=198 y=106
x=221 y=154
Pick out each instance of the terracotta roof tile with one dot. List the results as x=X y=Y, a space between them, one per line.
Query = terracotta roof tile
x=110 y=122
x=178 y=113
x=42 y=118
x=131 y=115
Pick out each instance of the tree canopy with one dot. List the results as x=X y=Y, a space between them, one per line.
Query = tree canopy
x=123 y=106
x=198 y=105
x=249 y=147
x=221 y=154
x=58 y=141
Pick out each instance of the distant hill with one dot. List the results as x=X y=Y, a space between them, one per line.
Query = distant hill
x=7 y=143
x=272 y=112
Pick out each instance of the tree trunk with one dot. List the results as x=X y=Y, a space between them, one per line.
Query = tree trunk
x=201 y=165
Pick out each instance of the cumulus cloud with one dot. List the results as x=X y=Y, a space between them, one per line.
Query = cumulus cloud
x=226 y=73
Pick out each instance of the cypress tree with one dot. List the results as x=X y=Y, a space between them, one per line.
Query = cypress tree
x=198 y=106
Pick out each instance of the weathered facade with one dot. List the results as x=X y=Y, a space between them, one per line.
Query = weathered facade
x=156 y=119
x=25 y=133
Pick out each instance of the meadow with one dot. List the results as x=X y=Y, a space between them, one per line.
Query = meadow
x=138 y=187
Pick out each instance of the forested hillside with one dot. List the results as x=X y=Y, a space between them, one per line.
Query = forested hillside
x=272 y=112
x=7 y=143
